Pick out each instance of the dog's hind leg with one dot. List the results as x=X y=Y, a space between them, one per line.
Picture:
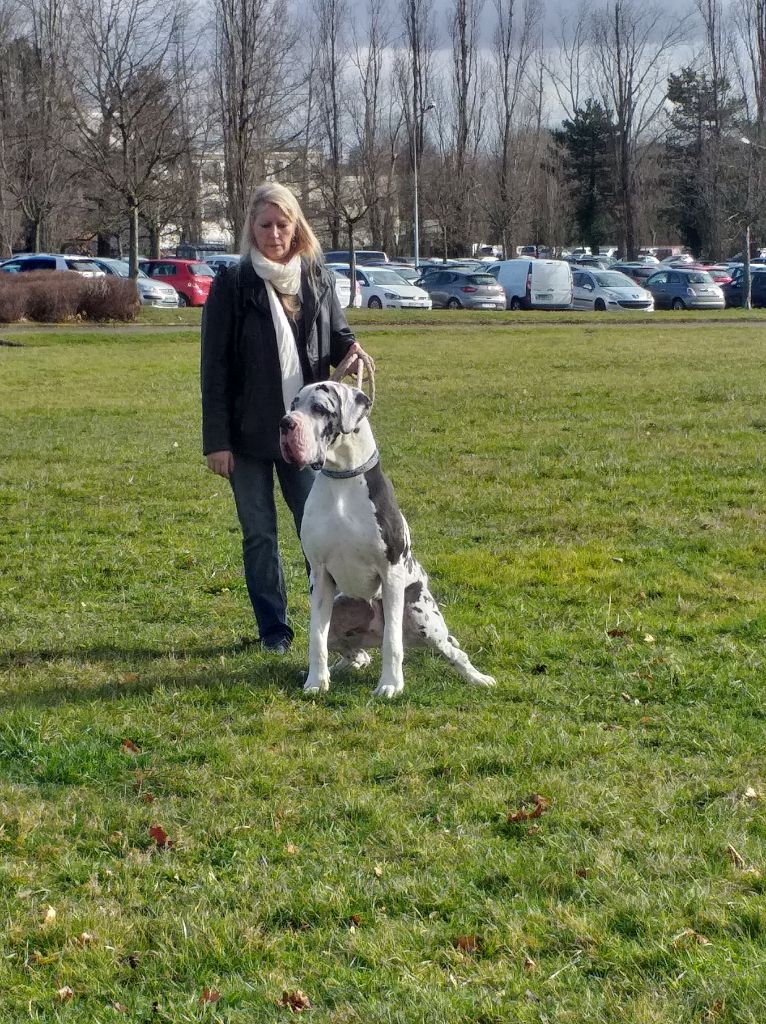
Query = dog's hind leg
x=425 y=627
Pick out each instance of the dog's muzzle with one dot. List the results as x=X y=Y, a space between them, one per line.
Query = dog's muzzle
x=296 y=441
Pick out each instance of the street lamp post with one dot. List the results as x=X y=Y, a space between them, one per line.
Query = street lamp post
x=417 y=122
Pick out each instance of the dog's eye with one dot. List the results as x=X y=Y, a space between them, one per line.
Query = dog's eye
x=318 y=409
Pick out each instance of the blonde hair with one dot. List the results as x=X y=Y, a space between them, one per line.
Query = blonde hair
x=305 y=242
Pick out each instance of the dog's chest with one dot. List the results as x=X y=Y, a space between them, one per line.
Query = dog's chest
x=341 y=531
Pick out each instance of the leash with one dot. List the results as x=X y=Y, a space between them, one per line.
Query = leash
x=364 y=364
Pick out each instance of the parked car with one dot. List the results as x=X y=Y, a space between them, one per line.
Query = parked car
x=608 y=290
x=460 y=289
x=343 y=290
x=638 y=272
x=409 y=273
x=385 y=289
x=217 y=261
x=677 y=288
x=150 y=293
x=190 y=278
x=535 y=284
x=364 y=256
x=24 y=262
x=733 y=292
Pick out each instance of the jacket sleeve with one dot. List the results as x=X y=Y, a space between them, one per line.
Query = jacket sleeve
x=217 y=353
x=341 y=335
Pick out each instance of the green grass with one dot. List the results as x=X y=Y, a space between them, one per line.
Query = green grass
x=589 y=503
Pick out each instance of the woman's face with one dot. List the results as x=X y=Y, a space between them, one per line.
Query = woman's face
x=273 y=232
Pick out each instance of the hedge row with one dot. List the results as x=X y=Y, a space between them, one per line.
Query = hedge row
x=54 y=296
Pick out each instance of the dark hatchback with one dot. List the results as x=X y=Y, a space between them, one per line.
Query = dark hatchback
x=733 y=291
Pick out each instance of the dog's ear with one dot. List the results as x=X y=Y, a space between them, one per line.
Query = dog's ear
x=354 y=406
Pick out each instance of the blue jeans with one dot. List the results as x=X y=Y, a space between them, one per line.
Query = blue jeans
x=253 y=484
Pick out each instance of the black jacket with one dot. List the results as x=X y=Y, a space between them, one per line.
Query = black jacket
x=240 y=372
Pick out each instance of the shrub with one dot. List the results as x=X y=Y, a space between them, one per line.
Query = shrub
x=109 y=298
x=13 y=300
x=54 y=296
x=51 y=295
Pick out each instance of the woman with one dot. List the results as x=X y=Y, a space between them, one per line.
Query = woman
x=271 y=324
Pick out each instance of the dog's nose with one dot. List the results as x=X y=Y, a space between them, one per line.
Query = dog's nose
x=286 y=425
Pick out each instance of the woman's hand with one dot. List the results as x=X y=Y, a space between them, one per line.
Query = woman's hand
x=221 y=463
x=363 y=358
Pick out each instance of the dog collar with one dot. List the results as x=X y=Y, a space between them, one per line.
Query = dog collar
x=344 y=474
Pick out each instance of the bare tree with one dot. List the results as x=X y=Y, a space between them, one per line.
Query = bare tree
x=255 y=81
x=35 y=159
x=633 y=51
x=331 y=71
x=512 y=55
x=128 y=110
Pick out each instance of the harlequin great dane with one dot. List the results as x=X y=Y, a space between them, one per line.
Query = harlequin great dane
x=367 y=590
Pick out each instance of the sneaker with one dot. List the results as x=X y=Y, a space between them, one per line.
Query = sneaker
x=276 y=646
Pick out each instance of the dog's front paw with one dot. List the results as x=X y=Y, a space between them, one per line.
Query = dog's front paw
x=316 y=684
x=388 y=689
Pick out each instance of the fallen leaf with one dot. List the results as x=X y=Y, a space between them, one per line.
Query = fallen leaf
x=616 y=558
x=689 y=936
x=130 y=677
x=64 y=994
x=119 y=1007
x=160 y=836
x=85 y=938
x=147 y=797
x=713 y=1012
x=295 y=1001
x=129 y=747
x=354 y=921
x=649 y=639
x=530 y=964
x=582 y=872
x=735 y=857
x=533 y=806
x=751 y=794
x=291 y=849
x=378 y=870
x=50 y=917
x=467 y=943
x=209 y=995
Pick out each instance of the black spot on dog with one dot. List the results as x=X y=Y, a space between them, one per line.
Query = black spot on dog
x=322 y=387
x=412 y=592
x=387 y=513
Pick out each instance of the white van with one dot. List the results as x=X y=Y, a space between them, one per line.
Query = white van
x=535 y=284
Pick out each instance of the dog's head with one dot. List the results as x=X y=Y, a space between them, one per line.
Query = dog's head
x=319 y=415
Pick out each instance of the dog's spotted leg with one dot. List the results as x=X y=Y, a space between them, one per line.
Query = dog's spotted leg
x=322 y=597
x=427 y=627
x=392 y=650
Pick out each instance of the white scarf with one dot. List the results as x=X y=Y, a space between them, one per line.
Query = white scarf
x=284 y=278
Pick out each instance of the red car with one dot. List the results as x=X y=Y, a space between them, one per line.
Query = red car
x=190 y=278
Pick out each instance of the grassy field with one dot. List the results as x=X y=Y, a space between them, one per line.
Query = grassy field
x=185 y=837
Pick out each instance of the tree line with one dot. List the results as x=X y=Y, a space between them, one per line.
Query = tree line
x=121 y=118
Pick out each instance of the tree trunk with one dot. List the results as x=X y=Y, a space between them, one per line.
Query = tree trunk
x=133 y=237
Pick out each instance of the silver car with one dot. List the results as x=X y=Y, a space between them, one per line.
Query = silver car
x=608 y=290
x=676 y=288
x=461 y=289
x=30 y=261
x=150 y=293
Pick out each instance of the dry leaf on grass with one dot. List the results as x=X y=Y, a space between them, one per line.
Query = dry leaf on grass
x=530 y=964
x=85 y=938
x=291 y=849
x=50 y=917
x=378 y=870
x=63 y=995
x=467 y=943
x=295 y=1001
x=689 y=937
x=129 y=747
x=209 y=995
x=160 y=836
x=533 y=806
x=119 y=1007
